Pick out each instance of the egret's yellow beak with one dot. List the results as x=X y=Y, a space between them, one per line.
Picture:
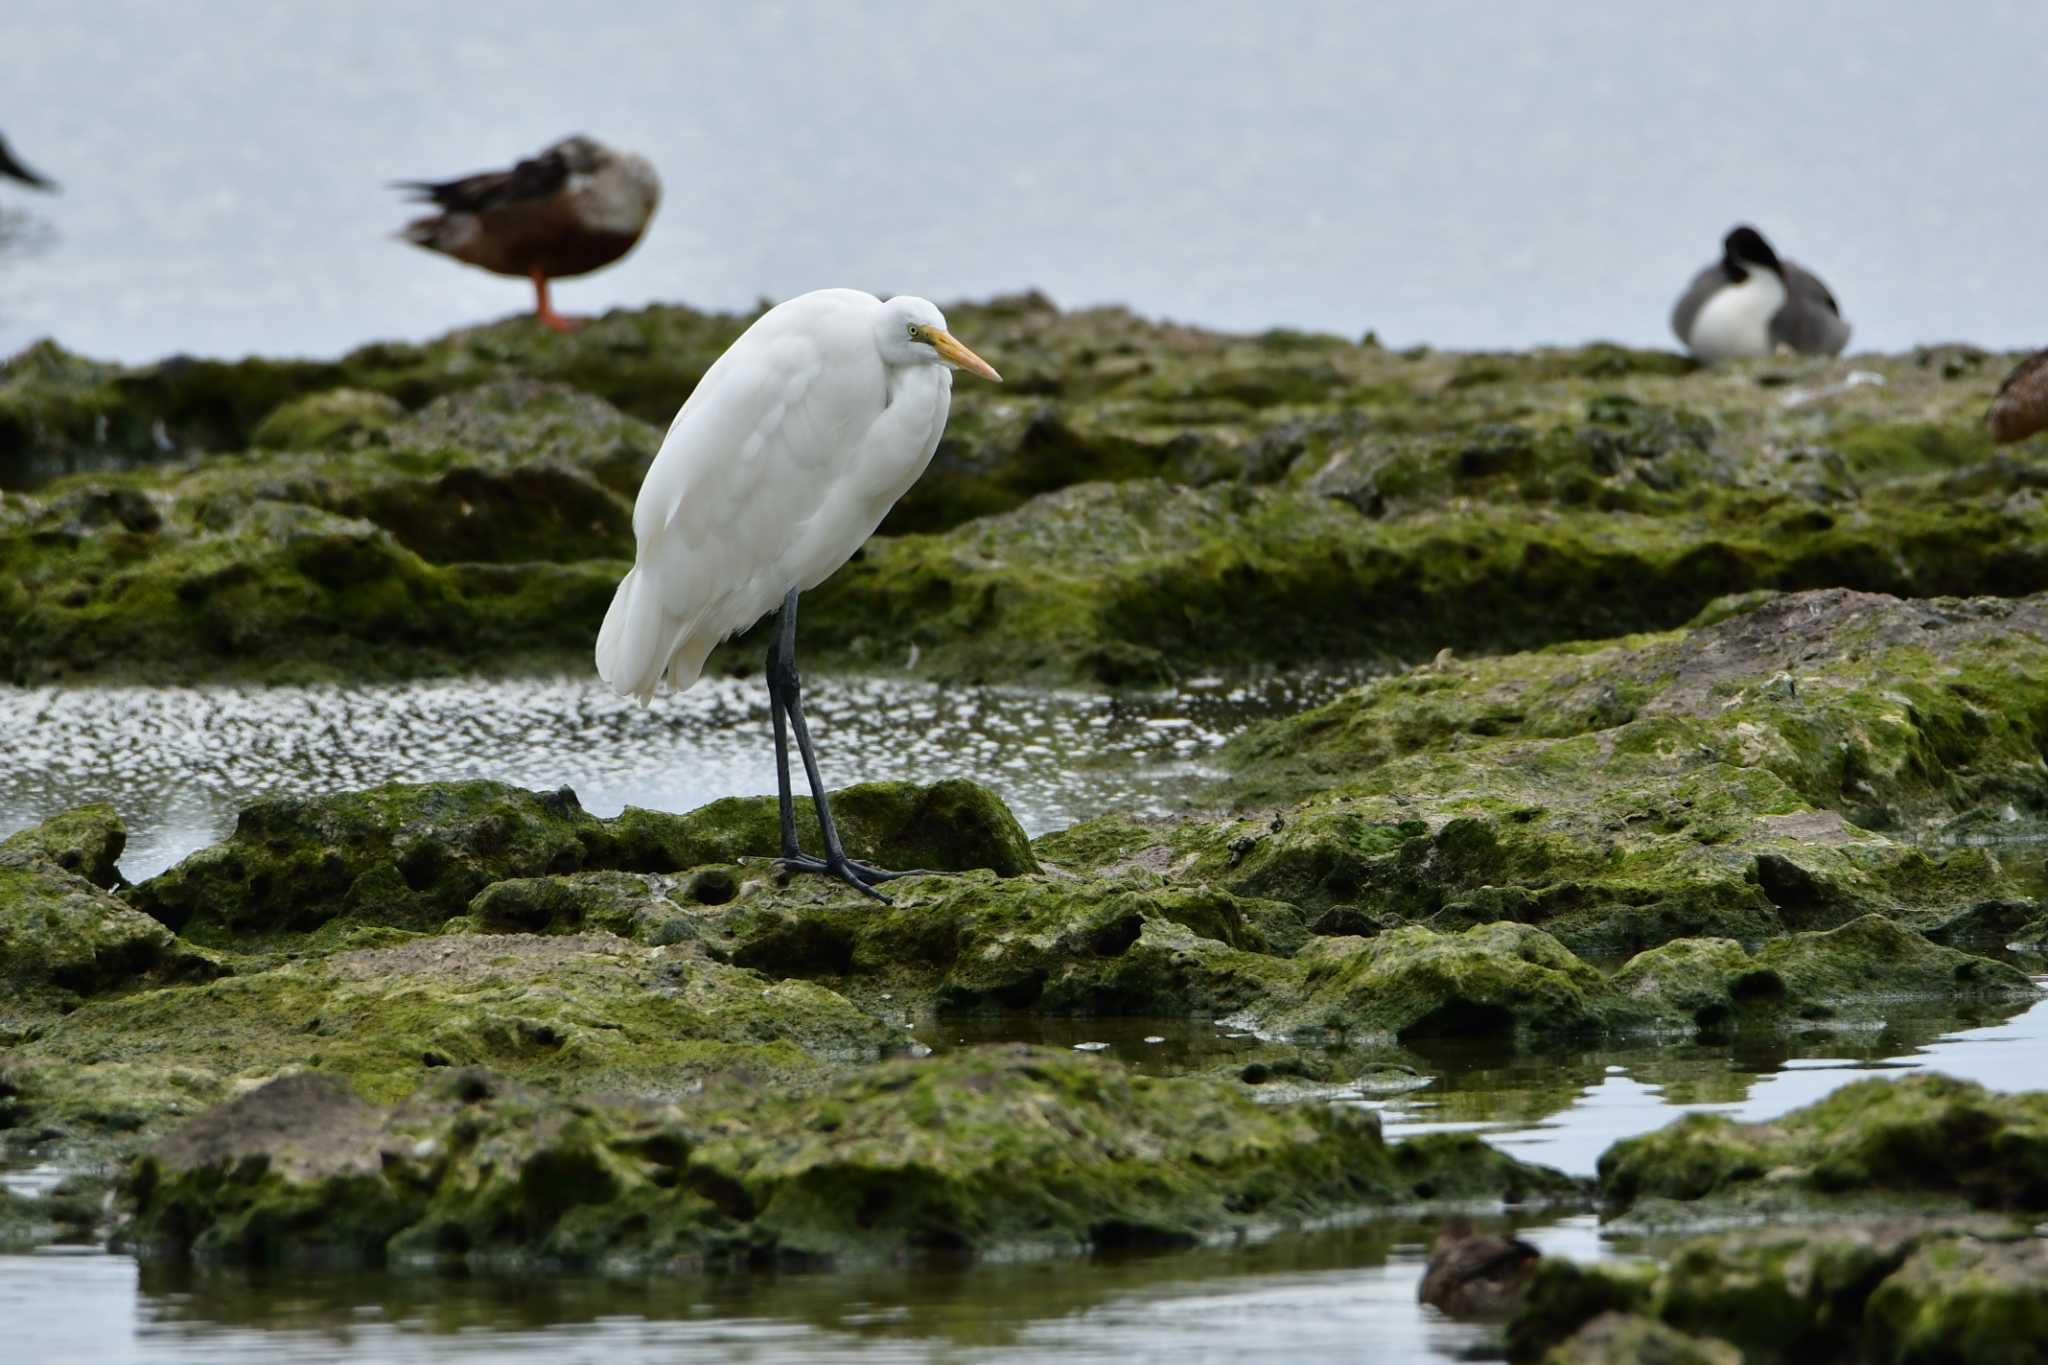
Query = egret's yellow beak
x=950 y=349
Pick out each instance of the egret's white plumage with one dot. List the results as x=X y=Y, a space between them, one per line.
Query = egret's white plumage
x=786 y=457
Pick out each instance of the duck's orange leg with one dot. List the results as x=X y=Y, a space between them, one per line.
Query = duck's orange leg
x=543 y=311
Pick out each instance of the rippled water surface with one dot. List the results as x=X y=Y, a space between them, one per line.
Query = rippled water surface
x=178 y=761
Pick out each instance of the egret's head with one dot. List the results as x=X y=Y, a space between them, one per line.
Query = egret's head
x=913 y=332
x=1745 y=248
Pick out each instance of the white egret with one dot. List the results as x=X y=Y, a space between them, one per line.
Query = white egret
x=787 y=456
x=577 y=206
x=1749 y=303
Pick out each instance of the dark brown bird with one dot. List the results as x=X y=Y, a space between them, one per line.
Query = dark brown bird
x=577 y=206
x=1476 y=1275
x=14 y=169
x=2021 y=408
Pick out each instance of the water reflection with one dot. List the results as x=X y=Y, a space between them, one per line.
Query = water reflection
x=178 y=761
x=1341 y=1292
x=1558 y=1106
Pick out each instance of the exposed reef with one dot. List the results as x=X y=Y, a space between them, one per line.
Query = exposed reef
x=1713 y=715
x=1139 y=499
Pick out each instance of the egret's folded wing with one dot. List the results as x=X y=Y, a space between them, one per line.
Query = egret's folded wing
x=741 y=467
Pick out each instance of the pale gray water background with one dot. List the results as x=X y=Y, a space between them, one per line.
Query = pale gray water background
x=1464 y=173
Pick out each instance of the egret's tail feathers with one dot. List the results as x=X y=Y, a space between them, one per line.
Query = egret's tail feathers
x=641 y=640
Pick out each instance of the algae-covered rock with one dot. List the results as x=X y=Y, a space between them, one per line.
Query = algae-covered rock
x=1414 y=983
x=335 y=419
x=1562 y=1295
x=980 y=944
x=1734 y=780
x=949 y=825
x=980 y=1150
x=1963 y=1299
x=1919 y=1141
x=1969 y=1292
x=86 y=840
x=62 y=935
x=1860 y=970
x=412 y=856
x=1630 y=1339
x=1891 y=711
x=1140 y=498
x=580 y=1012
x=408 y=855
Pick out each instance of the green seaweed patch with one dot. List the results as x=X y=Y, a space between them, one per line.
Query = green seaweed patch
x=1926 y=1138
x=412 y=856
x=1857 y=972
x=85 y=840
x=1961 y=1290
x=982 y=1150
x=582 y=1011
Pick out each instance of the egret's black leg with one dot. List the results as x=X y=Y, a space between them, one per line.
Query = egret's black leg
x=782 y=676
x=785 y=700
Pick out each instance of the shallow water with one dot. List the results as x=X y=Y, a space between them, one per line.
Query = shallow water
x=1345 y=1292
x=178 y=761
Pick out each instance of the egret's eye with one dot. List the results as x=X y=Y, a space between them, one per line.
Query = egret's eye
x=915 y=334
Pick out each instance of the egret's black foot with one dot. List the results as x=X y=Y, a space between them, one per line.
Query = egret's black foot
x=862 y=877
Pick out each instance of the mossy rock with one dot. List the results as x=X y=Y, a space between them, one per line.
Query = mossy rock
x=1408 y=983
x=1973 y=1292
x=1918 y=1141
x=1141 y=499
x=1859 y=971
x=1963 y=1299
x=335 y=419
x=412 y=856
x=62 y=936
x=950 y=825
x=86 y=840
x=580 y=1012
x=406 y=855
x=976 y=1151
x=1631 y=1339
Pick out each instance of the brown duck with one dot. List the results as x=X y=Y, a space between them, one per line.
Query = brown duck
x=577 y=206
x=1476 y=1275
x=2021 y=408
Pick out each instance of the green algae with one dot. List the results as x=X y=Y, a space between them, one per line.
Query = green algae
x=1952 y=1290
x=86 y=840
x=1921 y=1139
x=1414 y=983
x=1859 y=971
x=63 y=936
x=586 y=1012
x=1140 y=499
x=1631 y=1339
x=412 y=856
x=992 y=1149
x=332 y=419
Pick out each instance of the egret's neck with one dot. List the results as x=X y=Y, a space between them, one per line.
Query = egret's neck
x=907 y=431
x=920 y=385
